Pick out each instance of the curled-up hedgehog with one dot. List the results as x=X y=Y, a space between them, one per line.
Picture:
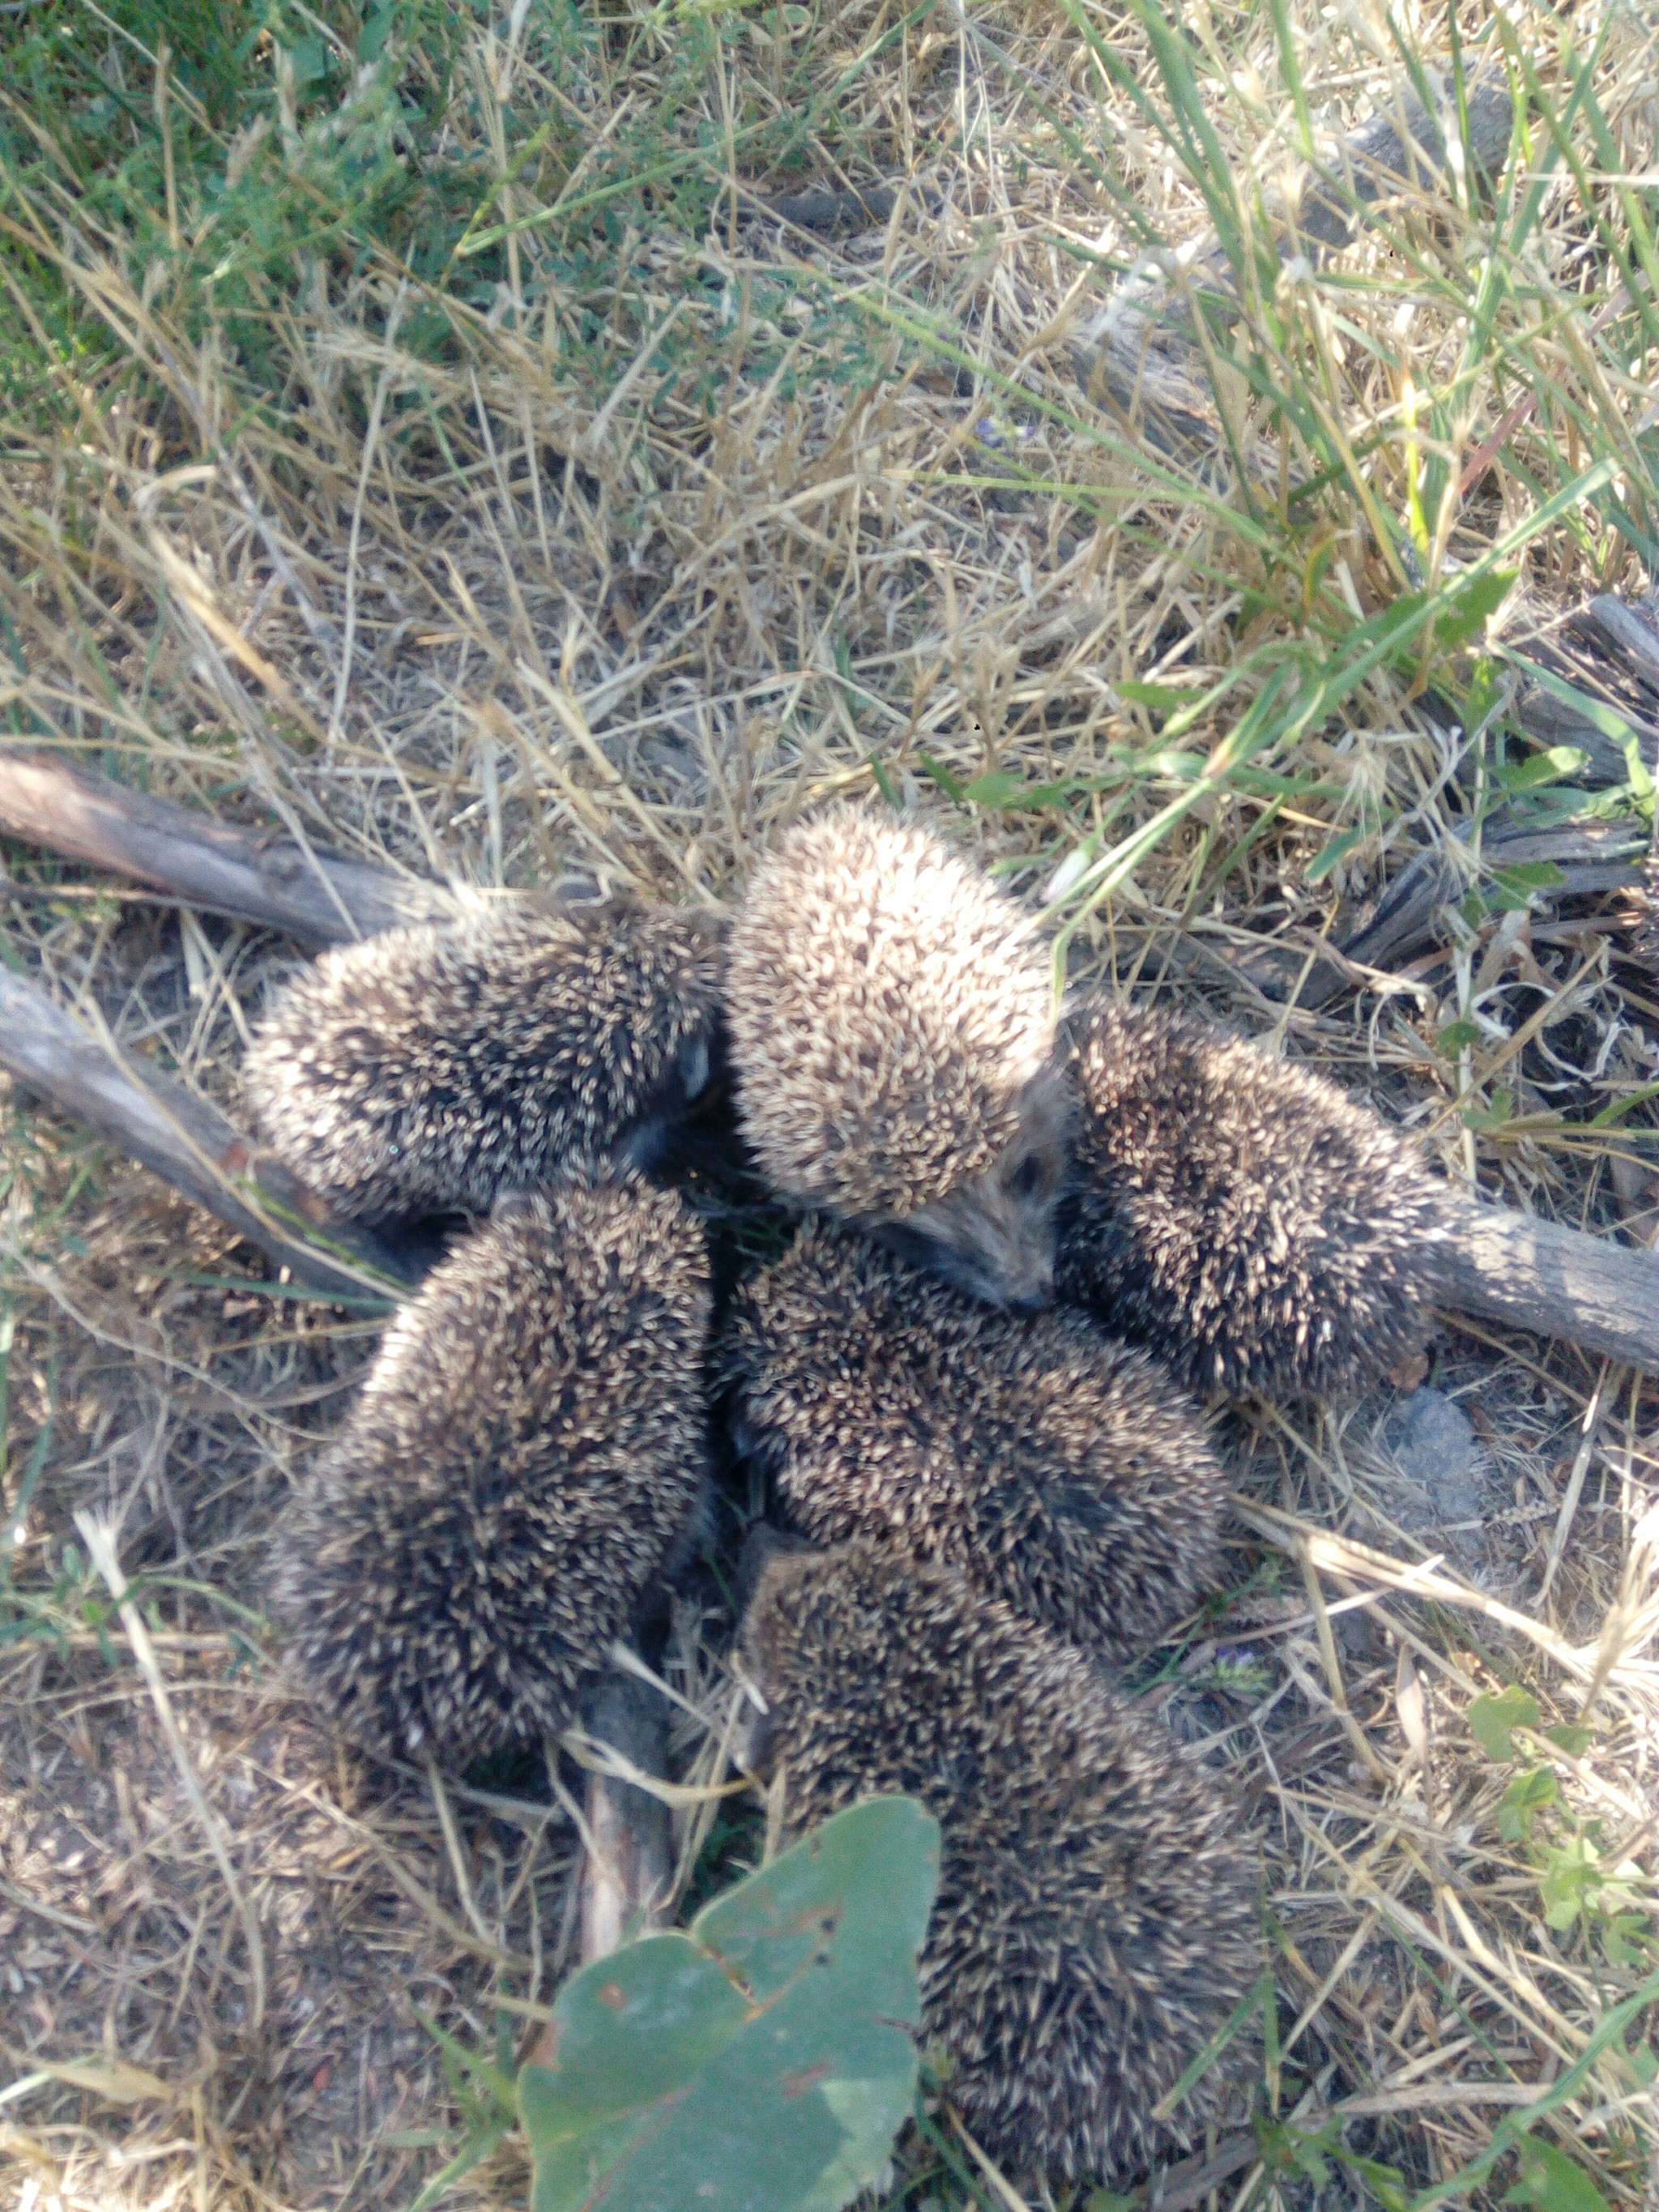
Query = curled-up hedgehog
x=524 y=1467
x=436 y=1065
x=893 y=1040
x=1255 y=1229
x=1060 y=1470
x=1096 y=1924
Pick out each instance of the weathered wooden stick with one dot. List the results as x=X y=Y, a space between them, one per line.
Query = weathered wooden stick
x=1527 y=1281
x=319 y=897
x=1531 y=1274
x=188 y=1143
x=630 y=1869
x=1140 y=354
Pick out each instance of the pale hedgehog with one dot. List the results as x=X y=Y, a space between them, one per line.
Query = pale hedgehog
x=1058 y=1469
x=1097 y=1922
x=434 y=1066
x=526 y=1464
x=1241 y=1217
x=893 y=1039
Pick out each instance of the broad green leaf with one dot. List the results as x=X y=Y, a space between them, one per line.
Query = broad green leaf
x=1491 y=1719
x=1525 y=1797
x=1549 y=2179
x=1628 y=1939
x=1571 y=1878
x=1456 y=1034
x=761 y=2063
x=1571 y=1737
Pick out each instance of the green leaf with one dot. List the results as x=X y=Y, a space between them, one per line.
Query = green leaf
x=1628 y=1939
x=1471 y=604
x=310 y=59
x=1568 y=1736
x=1552 y=766
x=951 y=786
x=995 y=789
x=764 y=2061
x=1386 y=2183
x=1492 y=1116
x=1330 y=855
x=1529 y=875
x=1549 y=2179
x=1490 y=1718
x=1524 y=1798
x=1163 y=698
x=377 y=29
x=1571 y=1876
x=886 y=785
x=1457 y=1034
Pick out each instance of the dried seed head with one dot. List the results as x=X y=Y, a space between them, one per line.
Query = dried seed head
x=893 y=1035
x=1059 y=1470
x=433 y=1066
x=1096 y=1924
x=526 y=1458
x=1255 y=1229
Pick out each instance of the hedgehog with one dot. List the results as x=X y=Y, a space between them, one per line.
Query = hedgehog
x=434 y=1066
x=1058 y=1469
x=524 y=1467
x=1096 y=1924
x=1255 y=1229
x=893 y=1049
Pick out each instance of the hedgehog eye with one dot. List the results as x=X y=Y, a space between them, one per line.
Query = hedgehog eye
x=1027 y=1178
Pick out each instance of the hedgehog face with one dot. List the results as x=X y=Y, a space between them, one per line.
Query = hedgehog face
x=690 y=1079
x=891 y=1017
x=993 y=1237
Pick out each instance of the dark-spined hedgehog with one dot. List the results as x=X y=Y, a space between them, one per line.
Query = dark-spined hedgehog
x=893 y=1039
x=436 y=1065
x=1058 y=1469
x=1096 y=1924
x=526 y=1464
x=1256 y=1229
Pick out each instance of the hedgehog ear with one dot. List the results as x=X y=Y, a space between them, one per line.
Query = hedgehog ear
x=696 y=1064
x=762 y=1544
x=517 y=1204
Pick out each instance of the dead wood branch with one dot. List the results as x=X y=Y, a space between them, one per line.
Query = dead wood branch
x=629 y=1871
x=1531 y=1274
x=319 y=897
x=1142 y=357
x=188 y=1143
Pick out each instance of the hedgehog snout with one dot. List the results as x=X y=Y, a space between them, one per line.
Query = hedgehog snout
x=982 y=1239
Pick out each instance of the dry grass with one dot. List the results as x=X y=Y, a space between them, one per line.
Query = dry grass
x=675 y=523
